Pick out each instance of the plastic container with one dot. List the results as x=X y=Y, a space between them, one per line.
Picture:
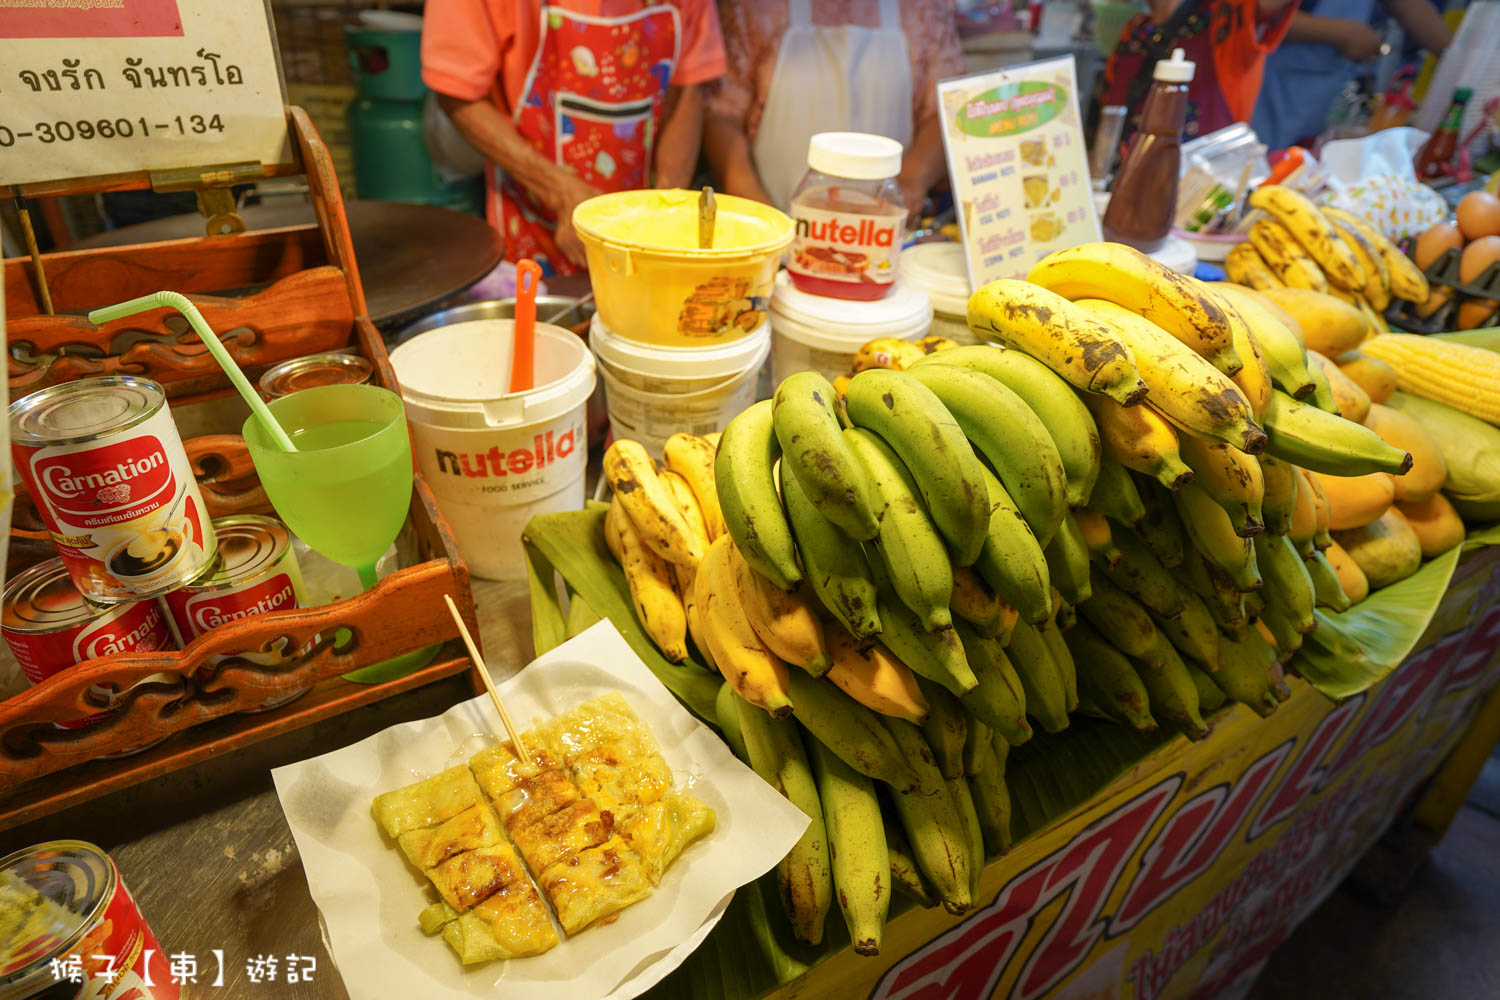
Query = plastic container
x=493 y=458
x=850 y=217
x=653 y=285
x=655 y=392
x=815 y=333
x=941 y=270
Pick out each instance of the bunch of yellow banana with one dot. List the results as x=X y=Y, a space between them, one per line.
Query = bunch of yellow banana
x=1324 y=249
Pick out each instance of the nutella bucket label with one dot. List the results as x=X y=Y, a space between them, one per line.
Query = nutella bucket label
x=841 y=246
x=533 y=465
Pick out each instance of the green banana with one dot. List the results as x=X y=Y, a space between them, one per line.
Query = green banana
x=1242 y=672
x=1322 y=394
x=963 y=801
x=1072 y=428
x=946 y=728
x=849 y=729
x=992 y=801
x=1327 y=591
x=746 y=484
x=1224 y=600
x=1118 y=615
x=856 y=839
x=1115 y=494
x=1107 y=681
x=916 y=561
x=1068 y=561
x=1193 y=632
x=805 y=875
x=1210 y=698
x=1141 y=575
x=1254 y=604
x=937 y=656
x=813 y=446
x=1304 y=435
x=1173 y=695
x=1213 y=534
x=1051 y=633
x=976 y=602
x=1161 y=529
x=1010 y=435
x=727 y=715
x=1290 y=588
x=977 y=739
x=1281 y=493
x=1011 y=561
x=998 y=700
x=1041 y=679
x=904 y=872
x=1285 y=631
x=914 y=423
x=938 y=834
x=833 y=562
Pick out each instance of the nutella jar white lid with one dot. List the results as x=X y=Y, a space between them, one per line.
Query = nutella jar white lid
x=855 y=155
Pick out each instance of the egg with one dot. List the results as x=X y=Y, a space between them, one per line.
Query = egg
x=1477 y=256
x=1431 y=244
x=1478 y=215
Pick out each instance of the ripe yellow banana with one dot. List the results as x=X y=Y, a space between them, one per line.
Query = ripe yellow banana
x=1303 y=524
x=1285 y=257
x=692 y=515
x=1253 y=380
x=692 y=458
x=755 y=673
x=1231 y=478
x=1129 y=278
x=1245 y=267
x=653 y=586
x=1407 y=280
x=1322 y=513
x=1186 y=389
x=1377 y=290
x=1097 y=535
x=1284 y=355
x=632 y=476
x=788 y=624
x=1312 y=231
x=1075 y=345
x=1140 y=438
x=875 y=678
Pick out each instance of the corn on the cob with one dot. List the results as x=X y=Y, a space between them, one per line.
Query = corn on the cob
x=1463 y=377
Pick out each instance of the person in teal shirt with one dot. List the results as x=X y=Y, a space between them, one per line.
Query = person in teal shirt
x=1326 y=45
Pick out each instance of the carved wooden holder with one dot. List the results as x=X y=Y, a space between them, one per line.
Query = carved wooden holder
x=303 y=296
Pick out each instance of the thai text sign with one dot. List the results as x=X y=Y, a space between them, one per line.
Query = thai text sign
x=96 y=87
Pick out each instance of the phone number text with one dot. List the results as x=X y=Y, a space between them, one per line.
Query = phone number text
x=86 y=129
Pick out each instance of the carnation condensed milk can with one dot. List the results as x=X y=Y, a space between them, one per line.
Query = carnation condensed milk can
x=103 y=461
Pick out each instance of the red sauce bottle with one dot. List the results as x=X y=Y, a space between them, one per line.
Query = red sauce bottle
x=850 y=217
x=1144 y=197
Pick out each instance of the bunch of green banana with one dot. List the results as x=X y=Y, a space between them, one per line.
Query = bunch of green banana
x=833 y=563
x=1174 y=696
x=849 y=729
x=1107 y=682
x=1041 y=678
x=745 y=481
x=935 y=828
x=814 y=448
x=1289 y=587
x=1011 y=560
x=860 y=860
x=1141 y=575
x=998 y=699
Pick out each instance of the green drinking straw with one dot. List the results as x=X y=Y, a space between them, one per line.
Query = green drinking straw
x=180 y=302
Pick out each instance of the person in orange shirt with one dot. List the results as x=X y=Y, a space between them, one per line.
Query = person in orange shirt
x=571 y=99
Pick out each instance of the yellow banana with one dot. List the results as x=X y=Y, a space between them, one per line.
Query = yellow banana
x=1187 y=389
x=653 y=587
x=632 y=476
x=1284 y=355
x=1303 y=524
x=692 y=458
x=1129 y=278
x=692 y=514
x=1244 y=266
x=1097 y=535
x=755 y=673
x=875 y=678
x=788 y=624
x=1214 y=536
x=1231 y=478
x=1377 y=289
x=1312 y=231
x=977 y=603
x=1083 y=350
x=887 y=352
x=1286 y=259
x=1322 y=513
x=1407 y=280
x=1140 y=438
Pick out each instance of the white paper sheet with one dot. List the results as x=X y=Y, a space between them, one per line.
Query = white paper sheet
x=370 y=896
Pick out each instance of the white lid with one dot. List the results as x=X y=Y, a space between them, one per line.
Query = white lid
x=717 y=360
x=855 y=155
x=837 y=324
x=1174 y=70
x=940 y=270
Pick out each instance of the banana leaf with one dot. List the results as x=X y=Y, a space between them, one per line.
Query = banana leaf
x=573 y=542
x=548 y=628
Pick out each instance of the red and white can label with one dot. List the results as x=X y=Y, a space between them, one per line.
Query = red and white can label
x=197 y=612
x=121 y=958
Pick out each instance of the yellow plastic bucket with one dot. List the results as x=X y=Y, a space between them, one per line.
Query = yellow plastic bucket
x=653 y=285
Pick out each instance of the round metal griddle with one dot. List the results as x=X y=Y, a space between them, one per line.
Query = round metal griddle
x=412 y=258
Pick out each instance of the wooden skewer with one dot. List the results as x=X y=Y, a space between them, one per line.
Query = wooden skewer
x=489 y=685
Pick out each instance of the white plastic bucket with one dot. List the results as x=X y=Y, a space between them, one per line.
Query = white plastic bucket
x=816 y=333
x=940 y=270
x=654 y=392
x=495 y=458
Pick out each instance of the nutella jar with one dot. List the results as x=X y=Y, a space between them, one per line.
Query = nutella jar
x=849 y=215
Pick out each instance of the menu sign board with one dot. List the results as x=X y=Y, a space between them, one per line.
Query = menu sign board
x=96 y=87
x=1018 y=164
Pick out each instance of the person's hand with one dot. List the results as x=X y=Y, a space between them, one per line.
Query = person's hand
x=567 y=191
x=1360 y=42
x=914 y=193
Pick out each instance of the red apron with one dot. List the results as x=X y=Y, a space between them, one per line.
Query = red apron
x=592 y=103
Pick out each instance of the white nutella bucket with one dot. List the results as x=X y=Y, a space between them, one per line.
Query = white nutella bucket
x=654 y=392
x=941 y=270
x=495 y=458
x=816 y=333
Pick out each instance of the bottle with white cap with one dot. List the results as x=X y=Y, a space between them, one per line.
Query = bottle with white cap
x=1144 y=197
x=850 y=217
